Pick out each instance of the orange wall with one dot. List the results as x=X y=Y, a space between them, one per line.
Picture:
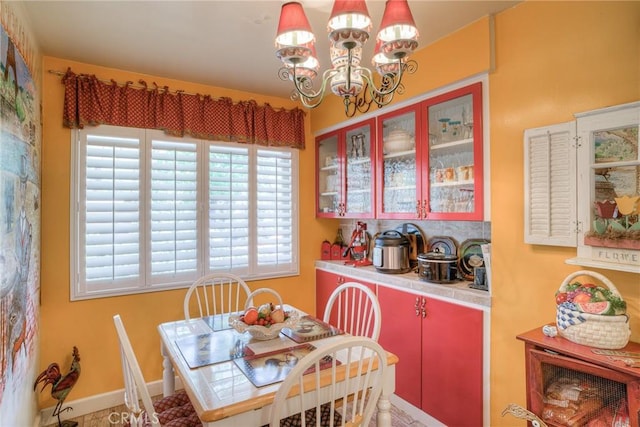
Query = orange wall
x=89 y=324
x=552 y=59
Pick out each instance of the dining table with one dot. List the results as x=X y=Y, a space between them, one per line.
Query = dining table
x=220 y=390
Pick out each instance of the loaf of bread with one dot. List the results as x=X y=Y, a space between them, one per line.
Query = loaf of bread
x=571 y=401
x=614 y=415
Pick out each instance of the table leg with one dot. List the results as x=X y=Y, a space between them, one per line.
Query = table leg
x=384 y=412
x=384 y=405
x=168 y=376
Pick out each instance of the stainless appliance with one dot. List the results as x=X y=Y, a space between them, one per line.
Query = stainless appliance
x=437 y=267
x=391 y=252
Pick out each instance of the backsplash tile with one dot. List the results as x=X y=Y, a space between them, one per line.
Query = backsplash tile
x=458 y=230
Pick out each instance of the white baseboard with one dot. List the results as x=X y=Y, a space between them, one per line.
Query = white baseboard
x=415 y=413
x=95 y=403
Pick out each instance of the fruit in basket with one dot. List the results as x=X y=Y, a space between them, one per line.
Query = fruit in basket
x=590 y=298
x=601 y=307
x=250 y=316
x=265 y=310
x=277 y=315
x=265 y=315
x=581 y=298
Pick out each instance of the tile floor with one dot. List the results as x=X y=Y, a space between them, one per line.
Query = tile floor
x=102 y=419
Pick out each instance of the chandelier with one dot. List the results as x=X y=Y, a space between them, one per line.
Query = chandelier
x=348 y=28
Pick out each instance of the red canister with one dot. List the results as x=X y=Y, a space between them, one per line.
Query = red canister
x=325 y=251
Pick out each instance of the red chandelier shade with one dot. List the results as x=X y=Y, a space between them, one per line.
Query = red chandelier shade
x=293 y=27
x=348 y=30
x=397 y=22
x=341 y=7
x=349 y=14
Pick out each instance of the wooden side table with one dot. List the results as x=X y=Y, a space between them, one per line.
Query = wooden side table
x=546 y=356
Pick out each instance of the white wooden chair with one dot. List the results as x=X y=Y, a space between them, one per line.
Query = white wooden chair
x=327 y=396
x=217 y=293
x=355 y=309
x=173 y=410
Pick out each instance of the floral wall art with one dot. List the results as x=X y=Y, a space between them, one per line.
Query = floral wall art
x=19 y=223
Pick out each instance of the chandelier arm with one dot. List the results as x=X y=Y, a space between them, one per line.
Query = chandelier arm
x=390 y=82
x=304 y=86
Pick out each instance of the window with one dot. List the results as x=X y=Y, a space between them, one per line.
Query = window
x=153 y=212
x=582 y=187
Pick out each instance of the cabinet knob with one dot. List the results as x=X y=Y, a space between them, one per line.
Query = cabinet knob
x=417 y=306
x=424 y=312
x=418 y=209
x=425 y=204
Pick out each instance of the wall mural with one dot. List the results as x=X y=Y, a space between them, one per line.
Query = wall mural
x=19 y=234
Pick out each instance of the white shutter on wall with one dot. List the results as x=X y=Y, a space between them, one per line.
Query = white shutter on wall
x=550 y=185
x=173 y=208
x=274 y=210
x=109 y=210
x=152 y=211
x=229 y=208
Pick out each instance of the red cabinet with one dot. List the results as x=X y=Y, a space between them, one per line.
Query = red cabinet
x=326 y=283
x=424 y=161
x=345 y=166
x=440 y=350
x=430 y=159
x=399 y=179
x=452 y=124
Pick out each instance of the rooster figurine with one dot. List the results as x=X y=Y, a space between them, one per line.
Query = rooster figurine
x=61 y=385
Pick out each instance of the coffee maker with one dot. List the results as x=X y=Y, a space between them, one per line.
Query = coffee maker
x=359 y=246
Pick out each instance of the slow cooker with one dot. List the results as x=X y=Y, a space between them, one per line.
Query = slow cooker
x=437 y=267
x=391 y=252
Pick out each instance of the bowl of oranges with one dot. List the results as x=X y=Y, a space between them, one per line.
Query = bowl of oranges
x=264 y=322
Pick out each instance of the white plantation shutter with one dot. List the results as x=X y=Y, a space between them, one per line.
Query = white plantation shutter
x=275 y=210
x=550 y=185
x=174 y=208
x=229 y=208
x=108 y=210
x=154 y=212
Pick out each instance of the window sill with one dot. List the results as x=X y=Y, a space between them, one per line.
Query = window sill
x=588 y=262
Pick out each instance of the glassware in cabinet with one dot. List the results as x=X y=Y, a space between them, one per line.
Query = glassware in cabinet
x=398 y=165
x=346 y=167
x=454 y=126
x=359 y=171
x=328 y=176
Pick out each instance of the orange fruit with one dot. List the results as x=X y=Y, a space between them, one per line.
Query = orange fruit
x=581 y=297
x=251 y=316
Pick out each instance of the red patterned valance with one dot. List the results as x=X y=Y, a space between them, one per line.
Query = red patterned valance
x=89 y=101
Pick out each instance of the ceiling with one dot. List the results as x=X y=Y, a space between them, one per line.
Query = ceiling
x=219 y=43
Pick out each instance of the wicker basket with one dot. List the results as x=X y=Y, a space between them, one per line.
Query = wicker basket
x=594 y=330
x=259 y=332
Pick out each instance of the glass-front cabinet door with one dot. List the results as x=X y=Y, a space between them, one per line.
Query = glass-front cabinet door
x=399 y=181
x=345 y=172
x=454 y=160
x=329 y=199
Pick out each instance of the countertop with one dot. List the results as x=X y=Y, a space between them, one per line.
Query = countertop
x=456 y=292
